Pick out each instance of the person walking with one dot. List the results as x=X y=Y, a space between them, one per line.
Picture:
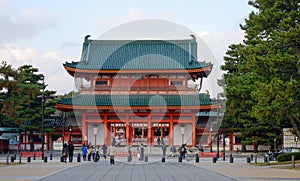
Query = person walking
x=164 y=149
x=71 y=151
x=112 y=153
x=84 y=151
x=65 y=152
x=104 y=149
x=173 y=150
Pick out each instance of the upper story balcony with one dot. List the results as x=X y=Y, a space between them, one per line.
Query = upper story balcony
x=117 y=90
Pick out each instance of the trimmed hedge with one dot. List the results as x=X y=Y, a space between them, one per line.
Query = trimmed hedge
x=288 y=156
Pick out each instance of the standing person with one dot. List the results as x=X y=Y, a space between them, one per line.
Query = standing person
x=158 y=141
x=164 y=149
x=183 y=151
x=104 y=148
x=97 y=157
x=65 y=152
x=142 y=152
x=93 y=152
x=112 y=153
x=84 y=151
x=89 y=152
x=173 y=150
x=129 y=153
x=71 y=151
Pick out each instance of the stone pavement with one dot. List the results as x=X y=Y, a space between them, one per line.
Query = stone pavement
x=243 y=171
x=138 y=170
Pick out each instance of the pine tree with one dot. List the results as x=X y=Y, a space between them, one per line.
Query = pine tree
x=269 y=62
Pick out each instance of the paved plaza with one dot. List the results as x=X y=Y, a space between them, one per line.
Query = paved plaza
x=138 y=170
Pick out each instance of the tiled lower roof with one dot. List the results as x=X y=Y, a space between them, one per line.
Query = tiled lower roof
x=137 y=100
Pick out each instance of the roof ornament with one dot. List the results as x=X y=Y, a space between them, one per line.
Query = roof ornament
x=193 y=36
x=86 y=38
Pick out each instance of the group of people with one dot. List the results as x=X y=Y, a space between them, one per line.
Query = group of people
x=92 y=152
x=68 y=151
x=182 y=150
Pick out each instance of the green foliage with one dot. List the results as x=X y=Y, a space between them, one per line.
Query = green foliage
x=288 y=157
x=263 y=74
x=21 y=101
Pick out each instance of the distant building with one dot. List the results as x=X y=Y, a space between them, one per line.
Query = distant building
x=289 y=139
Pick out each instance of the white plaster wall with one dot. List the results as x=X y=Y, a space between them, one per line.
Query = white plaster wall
x=187 y=135
x=99 y=136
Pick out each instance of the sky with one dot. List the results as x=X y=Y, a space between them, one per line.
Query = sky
x=47 y=33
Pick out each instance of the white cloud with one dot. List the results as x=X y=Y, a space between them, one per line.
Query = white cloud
x=219 y=43
x=48 y=63
x=24 y=24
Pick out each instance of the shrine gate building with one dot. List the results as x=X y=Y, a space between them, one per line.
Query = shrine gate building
x=133 y=92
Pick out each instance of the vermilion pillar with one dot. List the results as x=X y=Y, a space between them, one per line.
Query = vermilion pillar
x=84 y=130
x=193 y=131
x=171 y=131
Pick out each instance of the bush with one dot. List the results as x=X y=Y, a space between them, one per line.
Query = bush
x=288 y=157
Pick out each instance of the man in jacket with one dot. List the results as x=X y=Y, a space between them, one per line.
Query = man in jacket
x=112 y=153
x=71 y=151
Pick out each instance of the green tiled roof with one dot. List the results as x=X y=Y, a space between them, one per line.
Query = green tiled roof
x=138 y=55
x=11 y=130
x=137 y=100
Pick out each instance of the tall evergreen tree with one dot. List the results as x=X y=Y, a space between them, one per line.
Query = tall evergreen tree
x=21 y=101
x=270 y=59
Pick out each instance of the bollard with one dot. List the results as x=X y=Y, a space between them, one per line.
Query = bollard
x=12 y=159
x=248 y=159
x=78 y=157
x=28 y=159
x=251 y=157
x=214 y=160
x=45 y=159
x=231 y=160
x=7 y=159
x=163 y=159
x=15 y=155
x=179 y=159
x=230 y=156
x=20 y=158
x=255 y=159
x=293 y=161
x=224 y=157
x=146 y=158
x=197 y=158
x=50 y=156
x=33 y=156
